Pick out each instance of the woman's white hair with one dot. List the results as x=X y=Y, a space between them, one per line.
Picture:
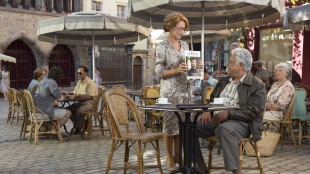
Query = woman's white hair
x=286 y=67
x=243 y=56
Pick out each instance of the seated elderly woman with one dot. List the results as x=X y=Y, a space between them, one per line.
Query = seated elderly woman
x=280 y=93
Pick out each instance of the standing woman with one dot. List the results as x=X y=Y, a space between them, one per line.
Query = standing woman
x=5 y=82
x=171 y=70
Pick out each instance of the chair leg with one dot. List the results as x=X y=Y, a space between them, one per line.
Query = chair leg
x=211 y=146
x=240 y=156
x=126 y=157
x=158 y=157
x=22 y=129
x=299 y=132
x=140 y=158
x=36 y=134
x=259 y=164
x=89 y=127
x=100 y=120
x=110 y=157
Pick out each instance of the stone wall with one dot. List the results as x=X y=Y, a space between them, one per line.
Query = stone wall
x=22 y=24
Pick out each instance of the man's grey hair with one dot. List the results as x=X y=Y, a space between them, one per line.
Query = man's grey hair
x=286 y=67
x=234 y=46
x=243 y=56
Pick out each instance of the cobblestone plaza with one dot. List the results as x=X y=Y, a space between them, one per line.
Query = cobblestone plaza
x=90 y=156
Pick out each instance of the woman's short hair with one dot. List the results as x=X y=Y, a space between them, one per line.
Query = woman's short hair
x=286 y=67
x=243 y=56
x=38 y=72
x=173 y=19
x=55 y=73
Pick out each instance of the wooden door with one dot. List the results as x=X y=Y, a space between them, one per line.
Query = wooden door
x=21 y=73
x=137 y=73
x=61 y=56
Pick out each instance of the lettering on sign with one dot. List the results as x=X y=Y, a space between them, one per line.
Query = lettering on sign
x=112 y=49
x=192 y=53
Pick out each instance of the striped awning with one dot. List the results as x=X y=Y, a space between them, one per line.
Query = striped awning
x=7 y=58
x=296 y=18
x=238 y=13
x=80 y=29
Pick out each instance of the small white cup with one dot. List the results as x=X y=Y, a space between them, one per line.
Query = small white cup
x=162 y=100
x=218 y=101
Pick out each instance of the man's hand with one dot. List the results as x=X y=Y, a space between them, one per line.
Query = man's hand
x=205 y=118
x=220 y=116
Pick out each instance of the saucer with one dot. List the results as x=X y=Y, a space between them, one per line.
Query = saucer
x=163 y=103
x=216 y=104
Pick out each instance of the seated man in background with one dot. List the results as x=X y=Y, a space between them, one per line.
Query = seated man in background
x=85 y=88
x=240 y=89
x=207 y=81
x=262 y=73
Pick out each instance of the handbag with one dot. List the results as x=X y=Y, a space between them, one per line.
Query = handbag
x=266 y=145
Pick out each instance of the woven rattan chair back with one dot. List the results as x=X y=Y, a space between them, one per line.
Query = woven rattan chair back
x=119 y=88
x=23 y=106
x=150 y=92
x=120 y=106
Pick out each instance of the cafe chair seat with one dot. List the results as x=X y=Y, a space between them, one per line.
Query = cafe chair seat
x=213 y=140
x=120 y=105
x=40 y=123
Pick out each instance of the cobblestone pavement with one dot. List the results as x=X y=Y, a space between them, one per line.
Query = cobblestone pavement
x=90 y=156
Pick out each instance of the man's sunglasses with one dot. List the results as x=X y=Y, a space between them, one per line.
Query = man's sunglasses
x=79 y=73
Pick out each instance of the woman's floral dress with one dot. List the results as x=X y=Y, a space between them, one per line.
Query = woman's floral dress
x=280 y=94
x=174 y=88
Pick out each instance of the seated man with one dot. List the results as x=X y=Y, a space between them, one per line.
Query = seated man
x=245 y=90
x=85 y=87
x=262 y=73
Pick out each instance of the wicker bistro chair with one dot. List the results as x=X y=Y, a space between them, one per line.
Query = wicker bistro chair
x=26 y=121
x=285 y=124
x=118 y=114
x=14 y=106
x=213 y=140
x=98 y=113
x=149 y=93
x=38 y=120
x=300 y=116
x=207 y=94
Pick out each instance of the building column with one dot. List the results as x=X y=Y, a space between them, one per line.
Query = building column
x=26 y=4
x=69 y=3
x=14 y=4
x=50 y=6
x=43 y=5
x=5 y=3
x=60 y=6
x=77 y=6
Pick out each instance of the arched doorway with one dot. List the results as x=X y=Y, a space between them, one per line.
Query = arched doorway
x=61 y=56
x=21 y=72
x=137 y=72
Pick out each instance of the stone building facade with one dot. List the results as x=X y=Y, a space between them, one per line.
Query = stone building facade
x=18 y=20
